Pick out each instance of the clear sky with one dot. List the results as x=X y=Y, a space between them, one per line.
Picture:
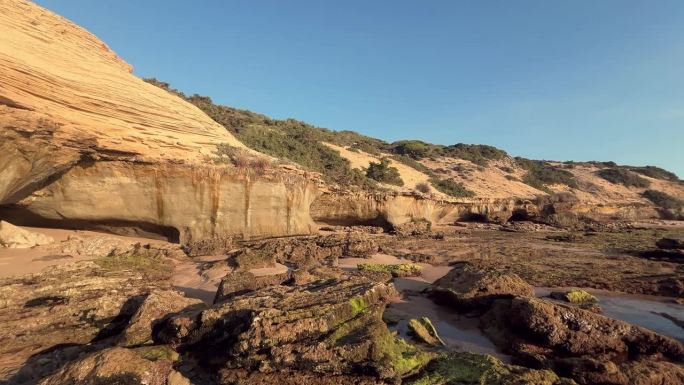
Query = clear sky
x=566 y=80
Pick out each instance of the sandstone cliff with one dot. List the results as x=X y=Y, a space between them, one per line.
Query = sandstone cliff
x=82 y=140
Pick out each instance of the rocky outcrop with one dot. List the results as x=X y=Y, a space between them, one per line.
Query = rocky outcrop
x=583 y=345
x=331 y=327
x=68 y=309
x=242 y=282
x=466 y=287
x=305 y=251
x=156 y=306
x=17 y=238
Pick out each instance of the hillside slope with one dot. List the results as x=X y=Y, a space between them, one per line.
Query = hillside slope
x=456 y=173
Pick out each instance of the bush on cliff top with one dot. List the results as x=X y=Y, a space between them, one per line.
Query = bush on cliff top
x=656 y=173
x=384 y=173
x=663 y=200
x=451 y=188
x=623 y=177
x=540 y=174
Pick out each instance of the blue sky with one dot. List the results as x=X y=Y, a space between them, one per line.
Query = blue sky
x=566 y=80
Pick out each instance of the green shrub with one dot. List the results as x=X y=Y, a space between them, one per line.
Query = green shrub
x=623 y=177
x=540 y=174
x=415 y=149
x=477 y=153
x=663 y=200
x=451 y=188
x=656 y=173
x=287 y=139
x=423 y=188
x=384 y=173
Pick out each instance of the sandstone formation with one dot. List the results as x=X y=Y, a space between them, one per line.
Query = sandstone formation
x=17 y=238
x=85 y=143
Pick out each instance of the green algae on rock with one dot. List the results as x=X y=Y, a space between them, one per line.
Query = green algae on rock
x=575 y=296
x=397 y=271
x=475 y=369
x=423 y=330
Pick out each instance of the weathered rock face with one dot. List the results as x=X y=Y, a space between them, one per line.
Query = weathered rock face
x=17 y=238
x=391 y=210
x=466 y=287
x=191 y=203
x=586 y=346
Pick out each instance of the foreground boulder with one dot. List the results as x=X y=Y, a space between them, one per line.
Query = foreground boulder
x=466 y=287
x=152 y=310
x=118 y=366
x=54 y=316
x=330 y=327
x=475 y=369
x=17 y=238
x=424 y=331
x=589 y=347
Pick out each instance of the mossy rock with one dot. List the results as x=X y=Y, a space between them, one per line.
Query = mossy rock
x=424 y=331
x=399 y=270
x=575 y=296
x=157 y=352
x=475 y=369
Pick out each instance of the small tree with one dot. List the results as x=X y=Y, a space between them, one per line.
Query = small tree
x=384 y=173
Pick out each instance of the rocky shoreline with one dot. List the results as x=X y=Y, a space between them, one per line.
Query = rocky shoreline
x=116 y=317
